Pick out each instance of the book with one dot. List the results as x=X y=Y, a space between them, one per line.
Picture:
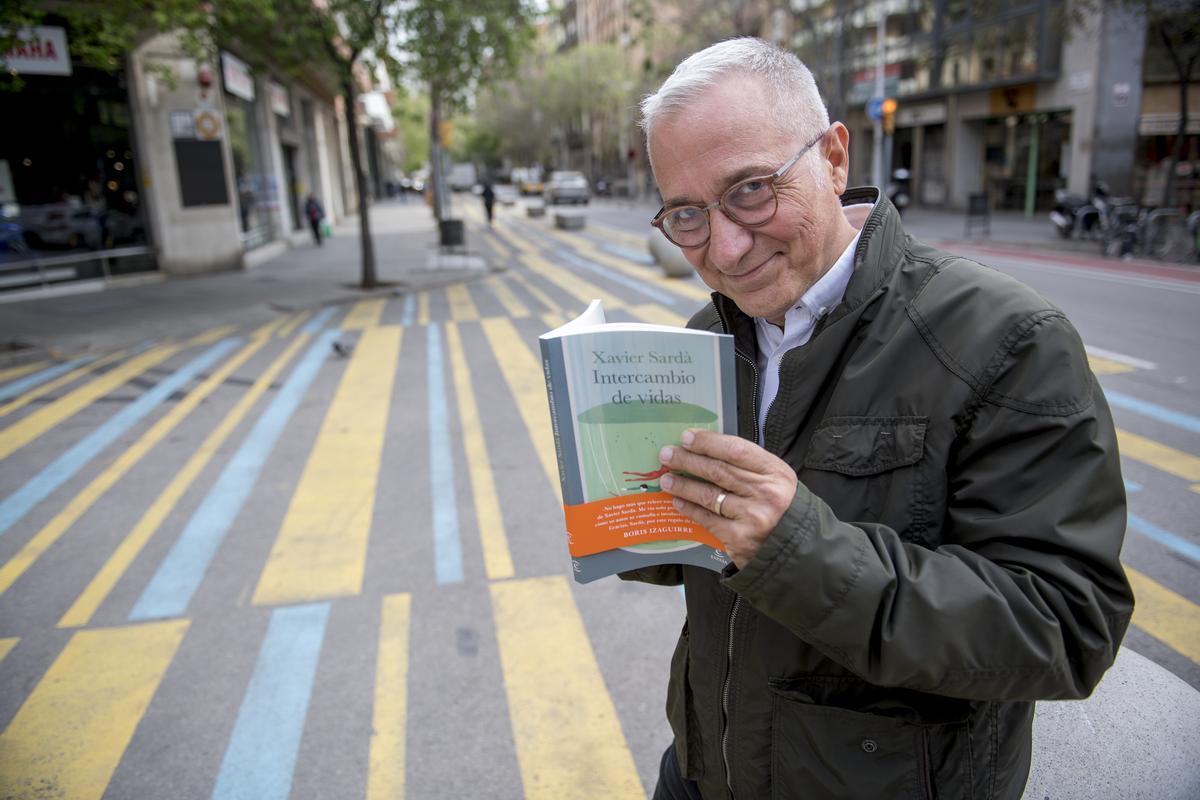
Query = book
x=618 y=393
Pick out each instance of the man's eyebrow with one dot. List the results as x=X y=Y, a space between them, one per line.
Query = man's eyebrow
x=729 y=181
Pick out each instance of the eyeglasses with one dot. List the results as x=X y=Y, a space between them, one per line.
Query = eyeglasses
x=751 y=203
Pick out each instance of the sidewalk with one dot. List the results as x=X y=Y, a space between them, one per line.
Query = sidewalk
x=302 y=277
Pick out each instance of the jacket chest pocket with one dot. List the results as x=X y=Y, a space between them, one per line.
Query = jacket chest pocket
x=868 y=469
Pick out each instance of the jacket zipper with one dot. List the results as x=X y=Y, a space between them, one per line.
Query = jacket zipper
x=737 y=601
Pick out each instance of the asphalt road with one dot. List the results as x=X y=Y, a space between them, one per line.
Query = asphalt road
x=252 y=563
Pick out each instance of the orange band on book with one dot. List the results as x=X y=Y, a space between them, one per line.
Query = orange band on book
x=622 y=521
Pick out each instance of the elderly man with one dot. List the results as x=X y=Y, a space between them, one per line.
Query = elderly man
x=925 y=508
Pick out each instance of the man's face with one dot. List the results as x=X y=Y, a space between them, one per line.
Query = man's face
x=724 y=137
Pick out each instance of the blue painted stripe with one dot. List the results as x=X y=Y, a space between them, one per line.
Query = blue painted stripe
x=21 y=385
x=58 y=472
x=172 y=587
x=628 y=253
x=1160 y=413
x=447 y=545
x=410 y=310
x=1131 y=487
x=314 y=325
x=1165 y=537
x=607 y=272
x=261 y=755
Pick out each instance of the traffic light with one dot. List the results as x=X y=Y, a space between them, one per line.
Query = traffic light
x=889 y=116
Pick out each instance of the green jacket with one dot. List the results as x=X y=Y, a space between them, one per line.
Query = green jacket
x=951 y=554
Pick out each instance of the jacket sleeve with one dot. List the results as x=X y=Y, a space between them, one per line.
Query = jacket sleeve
x=663 y=575
x=1026 y=598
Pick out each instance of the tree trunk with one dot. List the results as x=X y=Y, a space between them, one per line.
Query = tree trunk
x=1184 y=70
x=369 y=279
x=436 y=178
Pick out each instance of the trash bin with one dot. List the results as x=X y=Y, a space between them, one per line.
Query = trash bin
x=452 y=232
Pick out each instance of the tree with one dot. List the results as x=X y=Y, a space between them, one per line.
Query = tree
x=452 y=48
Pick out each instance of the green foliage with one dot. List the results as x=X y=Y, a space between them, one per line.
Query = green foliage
x=411 y=113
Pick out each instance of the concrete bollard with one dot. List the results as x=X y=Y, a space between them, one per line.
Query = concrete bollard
x=569 y=220
x=1134 y=738
x=535 y=208
x=668 y=256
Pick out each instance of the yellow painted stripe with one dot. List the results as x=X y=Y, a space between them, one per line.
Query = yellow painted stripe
x=59 y=382
x=649 y=275
x=547 y=303
x=9 y=373
x=210 y=336
x=26 y=430
x=6 y=646
x=496 y=557
x=423 y=308
x=462 y=307
x=568 y=737
x=657 y=315
x=523 y=375
x=321 y=549
x=1165 y=615
x=631 y=239
x=386 y=762
x=364 y=314
x=291 y=324
x=1160 y=456
x=1106 y=366
x=70 y=733
x=81 y=611
x=512 y=305
x=53 y=530
x=573 y=284
x=552 y=321
x=1195 y=487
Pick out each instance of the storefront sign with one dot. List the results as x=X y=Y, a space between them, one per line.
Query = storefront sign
x=236 y=75
x=208 y=124
x=279 y=99
x=915 y=116
x=183 y=125
x=39 y=51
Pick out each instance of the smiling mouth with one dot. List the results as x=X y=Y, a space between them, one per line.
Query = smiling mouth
x=751 y=272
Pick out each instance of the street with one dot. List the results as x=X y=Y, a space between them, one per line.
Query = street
x=321 y=555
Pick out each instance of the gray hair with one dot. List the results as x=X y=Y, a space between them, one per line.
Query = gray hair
x=796 y=104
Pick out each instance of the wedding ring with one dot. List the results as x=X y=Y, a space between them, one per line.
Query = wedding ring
x=720 y=501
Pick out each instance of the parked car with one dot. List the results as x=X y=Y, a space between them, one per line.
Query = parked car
x=566 y=187
x=506 y=194
x=528 y=180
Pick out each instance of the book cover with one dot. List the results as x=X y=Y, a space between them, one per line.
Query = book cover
x=618 y=392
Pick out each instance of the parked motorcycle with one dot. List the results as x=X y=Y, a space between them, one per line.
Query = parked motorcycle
x=899 y=190
x=1076 y=215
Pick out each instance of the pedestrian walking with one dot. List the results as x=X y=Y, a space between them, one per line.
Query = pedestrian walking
x=925 y=510
x=489 y=200
x=315 y=215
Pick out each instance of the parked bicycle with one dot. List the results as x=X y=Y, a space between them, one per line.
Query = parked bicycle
x=1159 y=233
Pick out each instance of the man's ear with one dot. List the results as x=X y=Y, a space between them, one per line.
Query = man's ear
x=837 y=153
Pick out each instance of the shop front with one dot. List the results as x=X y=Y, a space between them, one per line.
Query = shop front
x=70 y=192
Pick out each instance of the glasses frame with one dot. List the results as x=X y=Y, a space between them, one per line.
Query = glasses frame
x=770 y=180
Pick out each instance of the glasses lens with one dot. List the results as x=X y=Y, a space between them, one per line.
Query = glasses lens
x=751 y=202
x=686 y=226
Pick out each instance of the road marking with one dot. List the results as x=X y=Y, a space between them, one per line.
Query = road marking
x=317 y=323
x=544 y=299
x=386 y=767
x=70 y=733
x=364 y=314
x=29 y=428
x=1105 y=366
x=210 y=336
x=1120 y=358
x=58 y=472
x=657 y=315
x=1160 y=456
x=612 y=232
x=289 y=326
x=410 y=310
x=423 y=308
x=6 y=646
x=1153 y=410
x=53 y=530
x=180 y=573
x=512 y=305
x=81 y=611
x=8 y=373
x=568 y=737
x=63 y=380
x=462 y=307
x=570 y=282
x=523 y=374
x=15 y=388
x=447 y=543
x=321 y=548
x=260 y=758
x=1164 y=537
x=1169 y=617
x=497 y=559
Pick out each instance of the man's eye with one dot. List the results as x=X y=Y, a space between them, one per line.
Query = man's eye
x=684 y=219
x=749 y=192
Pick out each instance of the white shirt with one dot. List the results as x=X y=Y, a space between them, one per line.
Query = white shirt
x=799 y=322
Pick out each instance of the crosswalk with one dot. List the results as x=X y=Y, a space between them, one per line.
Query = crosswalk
x=244 y=531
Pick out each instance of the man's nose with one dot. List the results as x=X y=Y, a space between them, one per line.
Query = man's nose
x=727 y=241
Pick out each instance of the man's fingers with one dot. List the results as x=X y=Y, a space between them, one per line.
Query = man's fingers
x=730 y=449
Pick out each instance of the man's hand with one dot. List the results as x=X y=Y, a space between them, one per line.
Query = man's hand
x=758 y=486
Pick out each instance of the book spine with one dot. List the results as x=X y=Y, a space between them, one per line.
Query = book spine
x=555 y=373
